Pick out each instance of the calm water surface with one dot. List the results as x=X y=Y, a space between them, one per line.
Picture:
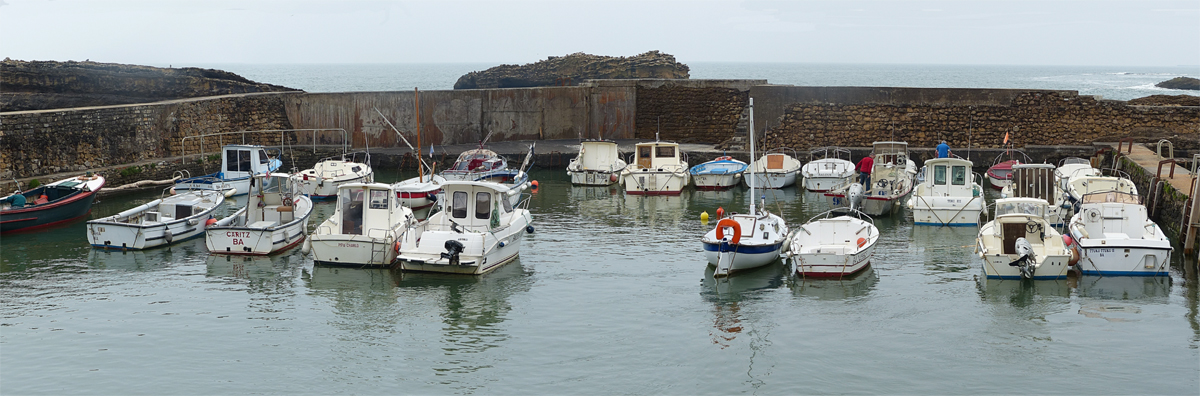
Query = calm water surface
x=611 y=295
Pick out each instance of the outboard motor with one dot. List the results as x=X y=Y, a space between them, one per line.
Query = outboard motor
x=1026 y=261
x=855 y=195
x=453 y=248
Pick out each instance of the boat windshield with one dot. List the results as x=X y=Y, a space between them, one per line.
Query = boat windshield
x=1025 y=207
x=1111 y=196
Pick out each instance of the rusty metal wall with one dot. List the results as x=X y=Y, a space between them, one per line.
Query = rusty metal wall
x=463 y=116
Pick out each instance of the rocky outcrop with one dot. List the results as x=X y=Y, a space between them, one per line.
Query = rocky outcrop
x=1180 y=83
x=1166 y=100
x=37 y=85
x=573 y=69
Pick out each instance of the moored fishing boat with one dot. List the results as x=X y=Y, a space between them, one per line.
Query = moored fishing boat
x=366 y=224
x=754 y=239
x=159 y=222
x=776 y=169
x=478 y=164
x=950 y=195
x=322 y=180
x=660 y=169
x=1079 y=186
x=1020 y=244
x=275 y=218
x=1073 y=167
x=827 y=169
x=1115 y=237
x=719 y=174
x=476 y=231
x=892 y=176
x=238 y=163
x=1000 y=173
x=834 y=246
x=56 y=203
x=598 y=163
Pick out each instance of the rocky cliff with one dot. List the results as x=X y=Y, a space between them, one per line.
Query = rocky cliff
x=36 y=85
x=1166 y=100
x=573 y=69
x=1180 y=83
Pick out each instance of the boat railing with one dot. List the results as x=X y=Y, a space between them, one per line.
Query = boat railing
x=1117 y=173
x=842 y=212
x=1073 y=161
x=1009 y=153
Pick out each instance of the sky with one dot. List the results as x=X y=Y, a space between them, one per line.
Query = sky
x=183 y=32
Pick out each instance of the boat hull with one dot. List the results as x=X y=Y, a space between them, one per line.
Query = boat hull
x=66 y=210
x=947 y=211
x=475 y=260
x=824 y=184
x=774 y=179
x=225 y=237
x=744 y=257
x=716 y=182
x=352 y=250
x=318 y=188
x=593 y=178
x=833 y=247
x=650 y=182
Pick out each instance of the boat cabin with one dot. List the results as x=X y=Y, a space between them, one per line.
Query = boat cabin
x=890 y=153
x=948 y=177
x=368 y=209
x=598 y=155
x=240 y=161
x=477 y=206
x=652 y=155
x=1112 y=213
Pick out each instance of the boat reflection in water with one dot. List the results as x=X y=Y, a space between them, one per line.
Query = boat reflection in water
x=1121 y=298
x=729 y=294
x=943 y=248
x=850 y=287
x=656 y=209
x=352 y=281
x=1048 y=294
x=147 y=260
x=262 y=272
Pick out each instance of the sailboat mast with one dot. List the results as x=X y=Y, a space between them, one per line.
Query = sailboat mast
x=417 y=106
x=752 y=159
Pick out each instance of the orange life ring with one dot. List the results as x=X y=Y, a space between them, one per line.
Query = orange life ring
x=725 y=158
x=737 y=230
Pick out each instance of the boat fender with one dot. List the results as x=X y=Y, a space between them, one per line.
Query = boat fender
x=529 y=229
x=168 y=236
x=862 y=242
x=729 y=223
x=306 y=247
x=1073 y=248
x=210 y=222
x=720 y=212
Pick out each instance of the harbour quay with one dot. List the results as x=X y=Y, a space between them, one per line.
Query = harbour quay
x=152 y=141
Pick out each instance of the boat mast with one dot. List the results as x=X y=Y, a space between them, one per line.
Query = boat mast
x=752 y=211
x=417 y=106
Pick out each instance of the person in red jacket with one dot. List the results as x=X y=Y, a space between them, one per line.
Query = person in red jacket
x=864 y=171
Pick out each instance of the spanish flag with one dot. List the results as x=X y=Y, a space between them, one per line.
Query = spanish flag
x=1005 y=137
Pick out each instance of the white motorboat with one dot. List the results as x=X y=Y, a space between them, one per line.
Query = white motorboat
x=476 y=230
x=238 y=163
x=598 y=163
x=827 y=169
x=1079 y=186
x=832 y=246
x=419 y=193
x=950 y=195
x=776 y=169
x=159 y=222
x=1115 y=237
x=1020 y=244
x=744 y=241
x=323 y=179
x=892 y=177
x=275 y=218
x=366 y=224
x=660 y=169
x=1039 y=181
x=719 y=174
x=1073 y=167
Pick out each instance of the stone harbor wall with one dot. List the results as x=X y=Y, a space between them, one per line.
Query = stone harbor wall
x=691 y=111
x=980 y=118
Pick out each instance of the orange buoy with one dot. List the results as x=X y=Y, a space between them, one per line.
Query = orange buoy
x=731 y=223
x=210 y=222
x=535 y=187
x=720 y=212
x=862 y=241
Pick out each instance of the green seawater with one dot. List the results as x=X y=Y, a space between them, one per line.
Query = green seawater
x=610 y=295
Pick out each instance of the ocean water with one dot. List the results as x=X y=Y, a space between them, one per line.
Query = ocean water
x=1118 y=83
x=610 y=295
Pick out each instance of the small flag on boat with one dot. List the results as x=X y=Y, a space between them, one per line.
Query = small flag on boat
x=431 y=150
x=1005 y=137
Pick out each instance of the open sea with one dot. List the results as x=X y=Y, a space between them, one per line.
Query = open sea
x=1118 y=82
x=610 y=295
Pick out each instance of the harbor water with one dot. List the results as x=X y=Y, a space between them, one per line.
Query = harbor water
x=610 y=295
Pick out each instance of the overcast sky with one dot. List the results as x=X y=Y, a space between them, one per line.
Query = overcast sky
x=177 y=32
